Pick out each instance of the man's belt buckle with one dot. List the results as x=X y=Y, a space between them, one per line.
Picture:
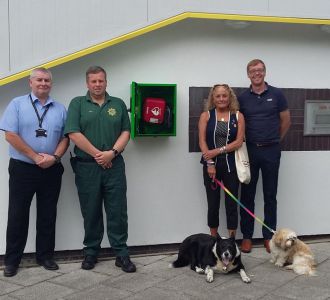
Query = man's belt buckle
x=265 y=144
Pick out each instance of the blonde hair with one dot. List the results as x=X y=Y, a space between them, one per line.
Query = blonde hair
x=233 y=102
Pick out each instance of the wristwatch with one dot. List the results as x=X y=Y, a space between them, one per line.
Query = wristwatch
x=115 y=151
x=57 y=159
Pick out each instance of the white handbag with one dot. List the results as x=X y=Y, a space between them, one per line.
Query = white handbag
x=242 y=162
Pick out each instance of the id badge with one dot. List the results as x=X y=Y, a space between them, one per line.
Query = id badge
x=41 y=132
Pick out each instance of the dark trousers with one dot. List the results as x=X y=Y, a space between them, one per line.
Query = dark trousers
x=25 y=180
x=97 y=187
x=231 y=182
x=266 y=159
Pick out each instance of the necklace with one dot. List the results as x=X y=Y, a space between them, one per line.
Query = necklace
x=222 y=116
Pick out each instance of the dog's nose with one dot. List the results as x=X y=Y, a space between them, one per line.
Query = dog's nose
x=226 y=254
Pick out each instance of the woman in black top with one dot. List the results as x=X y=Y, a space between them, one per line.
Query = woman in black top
x=221 y=132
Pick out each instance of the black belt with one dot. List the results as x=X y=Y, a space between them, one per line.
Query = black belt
x=264 y=144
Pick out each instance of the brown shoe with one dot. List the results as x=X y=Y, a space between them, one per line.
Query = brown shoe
x=246 y=246
x=266 y=245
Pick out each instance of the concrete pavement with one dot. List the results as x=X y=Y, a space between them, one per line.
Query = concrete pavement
x=154 y=280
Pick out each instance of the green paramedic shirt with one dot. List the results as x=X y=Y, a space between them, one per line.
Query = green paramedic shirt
x=101 y=125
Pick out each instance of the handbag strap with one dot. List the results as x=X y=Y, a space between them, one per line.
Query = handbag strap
x=237 y=113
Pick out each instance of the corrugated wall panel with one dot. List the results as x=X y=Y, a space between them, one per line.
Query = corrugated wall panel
x=298 y=8
x=41 y=31
x=4 y=38
x=44 y=30
x=249 y=7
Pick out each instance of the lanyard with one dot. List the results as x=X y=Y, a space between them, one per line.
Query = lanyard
x=40 y=119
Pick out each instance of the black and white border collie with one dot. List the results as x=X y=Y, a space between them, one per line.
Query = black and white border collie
x=206 y=254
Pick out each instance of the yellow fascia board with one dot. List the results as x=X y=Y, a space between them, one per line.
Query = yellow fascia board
x=158 y=25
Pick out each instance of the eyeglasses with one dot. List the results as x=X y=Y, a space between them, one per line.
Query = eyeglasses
x=256 y=71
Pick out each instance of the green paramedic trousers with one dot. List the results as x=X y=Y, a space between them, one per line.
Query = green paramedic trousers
x=96 y=186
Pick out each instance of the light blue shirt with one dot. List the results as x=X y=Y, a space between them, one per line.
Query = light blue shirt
x=20 y=117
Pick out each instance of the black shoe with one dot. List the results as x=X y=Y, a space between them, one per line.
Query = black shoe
x=89 y=262
x=125 y=264
x=48 y=264
x=10 y=270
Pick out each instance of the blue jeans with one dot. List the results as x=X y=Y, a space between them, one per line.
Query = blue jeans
x=267 y=159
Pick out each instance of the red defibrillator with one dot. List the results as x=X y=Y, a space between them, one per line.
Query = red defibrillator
x=153 y=110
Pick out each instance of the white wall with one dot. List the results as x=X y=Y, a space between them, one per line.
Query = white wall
x=166 y=197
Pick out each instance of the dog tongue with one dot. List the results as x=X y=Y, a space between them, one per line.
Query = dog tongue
x=225 y=261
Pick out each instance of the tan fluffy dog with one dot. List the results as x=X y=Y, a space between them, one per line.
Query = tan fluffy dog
x=286 y=248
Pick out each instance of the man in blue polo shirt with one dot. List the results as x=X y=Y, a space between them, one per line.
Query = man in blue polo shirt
x=267 y=119
x=33 y=126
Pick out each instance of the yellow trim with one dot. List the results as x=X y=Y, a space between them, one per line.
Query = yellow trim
x=166 y=22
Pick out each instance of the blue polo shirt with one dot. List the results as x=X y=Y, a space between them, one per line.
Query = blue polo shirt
x=262 y=114
x=19 y=117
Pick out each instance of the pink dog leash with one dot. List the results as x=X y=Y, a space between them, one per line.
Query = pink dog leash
x=242 y=205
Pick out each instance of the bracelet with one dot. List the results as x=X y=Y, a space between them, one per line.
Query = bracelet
x=222 y=150
x=210 y=163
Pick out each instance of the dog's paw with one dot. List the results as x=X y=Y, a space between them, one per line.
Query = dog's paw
x=209 y=277
x=272 y=261
x=246 y=279
x=289 y=267
x=199 y=270
x=209 y=274
x=279 y=264
x=244 y=276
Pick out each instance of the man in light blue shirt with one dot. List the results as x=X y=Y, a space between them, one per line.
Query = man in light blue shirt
x=33 y=126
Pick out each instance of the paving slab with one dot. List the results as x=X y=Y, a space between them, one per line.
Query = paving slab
x=258 y=252
x=170 y=258
x=237 y=289
x=251 y=262
x=100 y=292
x=324 y=247
x=133 y=282
x=30 y=276
x=147 y=260
x=7 y=287
x=154 y=280
x=324 y=266
x=43 y=290
x=271 y=274
x=193 y=284
x=79 y=279
x=321 y=280
x=68 y=267
x=161 y=269
x=309 y=291
x=159 y=294
x=6 y=297
x=108 y=267
x=274 y=297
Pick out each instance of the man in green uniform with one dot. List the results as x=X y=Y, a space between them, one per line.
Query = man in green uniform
x=99 y=126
